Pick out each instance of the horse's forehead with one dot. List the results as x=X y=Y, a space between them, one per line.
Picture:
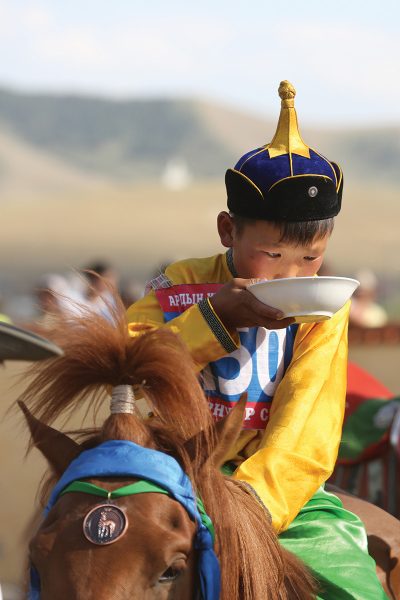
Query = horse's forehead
x=160 y=507
x=111 y=483
x=158 y=528
x=144 y=509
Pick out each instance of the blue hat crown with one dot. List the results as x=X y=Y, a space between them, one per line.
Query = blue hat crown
x=285 y=180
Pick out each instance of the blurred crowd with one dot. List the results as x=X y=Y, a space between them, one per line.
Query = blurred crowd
x=89 y=288
x=366 y=311
x=76 y=291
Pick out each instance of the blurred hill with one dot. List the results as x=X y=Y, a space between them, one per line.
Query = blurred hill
x=26 y=171
x=134 y=140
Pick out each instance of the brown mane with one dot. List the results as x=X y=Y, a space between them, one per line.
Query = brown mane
x=100 y=354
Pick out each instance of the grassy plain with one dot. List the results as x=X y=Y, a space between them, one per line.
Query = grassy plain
x=138 y=228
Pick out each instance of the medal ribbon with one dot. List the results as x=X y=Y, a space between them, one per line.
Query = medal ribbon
x=139 y=487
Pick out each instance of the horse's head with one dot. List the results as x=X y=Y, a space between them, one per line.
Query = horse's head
x=156 y=543
x=153 y=559
x=144 y=544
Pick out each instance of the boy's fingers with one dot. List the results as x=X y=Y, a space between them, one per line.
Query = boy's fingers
x=240 y=283
x=245 y=283
x=264 y=310
x=260 y=307
x=255 y=280
x=279 y=323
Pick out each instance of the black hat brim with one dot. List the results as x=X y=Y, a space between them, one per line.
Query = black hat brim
x=295 y=199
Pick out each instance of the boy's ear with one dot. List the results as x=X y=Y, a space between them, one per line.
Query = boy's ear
x=225 y=227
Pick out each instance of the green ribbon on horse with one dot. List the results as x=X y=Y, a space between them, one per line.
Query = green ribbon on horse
x=139 y=487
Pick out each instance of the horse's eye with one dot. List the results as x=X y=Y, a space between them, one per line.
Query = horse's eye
x=170 y=574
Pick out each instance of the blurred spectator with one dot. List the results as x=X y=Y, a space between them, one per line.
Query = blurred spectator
x=102 y=278
x=56 y=296
x=365 y=310
x=3 y=317
x=131 y=291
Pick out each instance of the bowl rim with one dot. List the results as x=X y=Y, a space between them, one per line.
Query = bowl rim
x=312 y=278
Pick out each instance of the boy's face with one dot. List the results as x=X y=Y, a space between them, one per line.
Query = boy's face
x=258 y=252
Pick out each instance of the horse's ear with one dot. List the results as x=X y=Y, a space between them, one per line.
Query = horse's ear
x=55 y=446
x=227 y=431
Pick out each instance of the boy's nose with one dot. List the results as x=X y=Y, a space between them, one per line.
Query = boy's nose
x=289 y=271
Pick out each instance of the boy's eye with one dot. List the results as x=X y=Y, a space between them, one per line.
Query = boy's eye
x=310 y=258
x=272 y=254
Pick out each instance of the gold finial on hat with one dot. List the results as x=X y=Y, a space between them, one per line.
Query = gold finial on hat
x=286 y=93
x=287 y=139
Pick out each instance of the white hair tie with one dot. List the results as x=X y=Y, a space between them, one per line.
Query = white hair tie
x=122 y=400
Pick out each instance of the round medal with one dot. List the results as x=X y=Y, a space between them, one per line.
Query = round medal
x=105 y=524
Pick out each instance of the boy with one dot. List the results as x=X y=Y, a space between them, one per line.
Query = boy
x=282 y=199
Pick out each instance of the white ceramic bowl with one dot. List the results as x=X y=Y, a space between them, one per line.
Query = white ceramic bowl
x=308 y=299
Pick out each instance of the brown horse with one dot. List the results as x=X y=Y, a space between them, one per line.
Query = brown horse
x=383 y=531
x=156 y=558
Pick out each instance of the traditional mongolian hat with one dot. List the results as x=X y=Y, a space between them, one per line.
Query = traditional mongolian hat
x=285 y=180
x=20 y=344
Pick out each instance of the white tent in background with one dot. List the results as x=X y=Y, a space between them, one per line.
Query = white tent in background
x=176 y=175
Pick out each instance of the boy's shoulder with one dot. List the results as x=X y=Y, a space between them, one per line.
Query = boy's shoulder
x=210 y=269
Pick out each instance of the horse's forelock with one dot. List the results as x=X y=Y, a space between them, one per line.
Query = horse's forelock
x=100 y=354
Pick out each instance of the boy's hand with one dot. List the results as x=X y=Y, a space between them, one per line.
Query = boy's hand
x=237 y=307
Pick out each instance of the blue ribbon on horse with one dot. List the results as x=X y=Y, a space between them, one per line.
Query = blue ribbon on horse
x=121 y=458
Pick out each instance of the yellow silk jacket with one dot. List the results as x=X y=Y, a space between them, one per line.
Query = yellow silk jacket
x=288 y=459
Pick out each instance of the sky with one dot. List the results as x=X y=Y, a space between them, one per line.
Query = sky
x=342 y=56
